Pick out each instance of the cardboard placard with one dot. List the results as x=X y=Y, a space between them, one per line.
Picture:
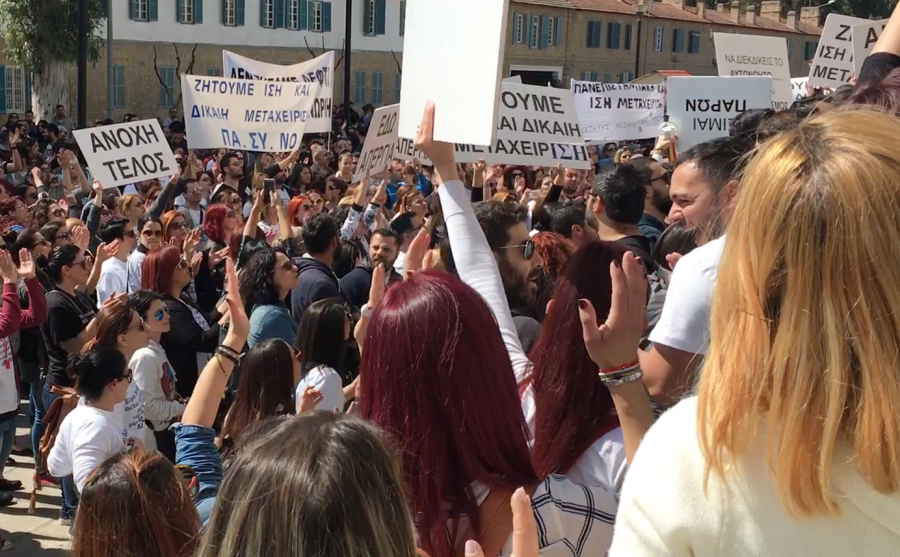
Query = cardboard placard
x=463 y=81
x=618 y=111
x=799 y=88
x=702 y=107
x=318 y=70
x=126 y=153
x=754 y=55
x=378 y=150
x=833 y=64
x=268 y=116
x=863 y=38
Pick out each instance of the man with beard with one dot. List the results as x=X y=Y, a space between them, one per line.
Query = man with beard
x=316 y=280
x=572 y=184
x=383 y=249
x=520 y=265
x=232 y=169
x=656 y=202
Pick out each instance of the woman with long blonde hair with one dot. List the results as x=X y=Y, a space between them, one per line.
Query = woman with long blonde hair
x=792 y=446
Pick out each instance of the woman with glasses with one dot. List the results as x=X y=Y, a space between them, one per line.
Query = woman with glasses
x=299 y=209
x=13 y=215
x=150 y=239
x=325 y=331
x=266 y=281
x=92 y=432
x=220 y=224
x=154 y=375
x=57 y=234
x=44 y=211
x=174 y=226
x=193 y=335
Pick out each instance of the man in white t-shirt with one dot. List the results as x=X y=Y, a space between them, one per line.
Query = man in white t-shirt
x=704 y=192
x=114 y=271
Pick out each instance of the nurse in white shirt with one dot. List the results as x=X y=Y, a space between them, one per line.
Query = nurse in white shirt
x=91 y=433
x=150 y=234
x=114 y=271
x=321 y=342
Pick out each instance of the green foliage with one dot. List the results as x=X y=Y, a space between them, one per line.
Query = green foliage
x=40 y=31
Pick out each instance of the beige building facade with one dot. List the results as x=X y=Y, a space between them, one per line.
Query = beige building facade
x=547 y=41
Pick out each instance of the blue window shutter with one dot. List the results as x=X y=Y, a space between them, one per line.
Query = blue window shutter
x=590 y=34
x=598 y=28
x=379 y=17
x=131 y=8
x=2 y=89
x=609 y=35
x=593 y=76
x=528 y=27
x=222 y=11
x=517 y=27
x=303 y=16
x=326 y=17
x=152 y=10
x=179 y=4
x=558 y=35
x=790 y=48
x=628 y=37
x=279 y=14
x=262 y=13
x=366 y=8
x=239 y=12
x=545 y=31
x=198 y=11
x=680 y=40
x=402 y=17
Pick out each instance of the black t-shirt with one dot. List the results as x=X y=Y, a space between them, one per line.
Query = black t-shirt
x=67 y=316
x=640 y=247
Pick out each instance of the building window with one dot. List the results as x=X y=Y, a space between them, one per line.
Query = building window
x=809 y=50
x=233 y=12
x=626 y=77
x=402 y=17
x=658 y=39
x=588 y=76
x=186 y=11
x=359 y=87
x=790 y=48
x=397 y=80
x=213 y=71
x=518 y=29
x=628 y=37
x=612 y=35
x=267 y=17
x=14 y=88
x=377 y=88
x=607 y=77
x=373 y=17
x=315 y=17
x=118 y=85
x=293 y=14
x=694 y=42
x=145 y=10
x=535 y=36
x=140 y=12
x=166 y=86
x=551 y=35
x=677 y=40
x=593 y=34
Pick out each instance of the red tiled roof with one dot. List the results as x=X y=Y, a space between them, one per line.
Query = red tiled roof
x=613 y=6
x=671 y=73
x=552 y=3
x=668 y=11
x=809 y=29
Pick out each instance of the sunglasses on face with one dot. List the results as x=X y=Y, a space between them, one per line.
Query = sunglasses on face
x=82 y=264
x=177 y=226
x=152 y=233
x=62 y=236
x=127 y=377
x=306 y=207
x=139 y=327
x=666 y=177
x=229 y=215
x=527 y=249
x=319 y=201
x=58 y=213
x=129 y=234
x=161 y=314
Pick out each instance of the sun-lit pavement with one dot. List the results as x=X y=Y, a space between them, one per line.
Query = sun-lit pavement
x=39 y=534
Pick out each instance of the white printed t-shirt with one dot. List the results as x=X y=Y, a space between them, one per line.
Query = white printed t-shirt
x=328 y=383
x=684 y=323
x=87 y=437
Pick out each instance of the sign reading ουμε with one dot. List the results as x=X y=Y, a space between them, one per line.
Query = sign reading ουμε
x=754 y=55
x=833 y=64
x=238 y=114
x=126 y=153
x=702 y=107
x=618 y=111
x=864 y=37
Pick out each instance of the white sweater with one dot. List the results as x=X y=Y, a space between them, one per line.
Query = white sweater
x=664 y=512
x=156 y=379
x=87 y=437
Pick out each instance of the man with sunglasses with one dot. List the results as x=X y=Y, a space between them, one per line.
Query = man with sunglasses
x=520 y=266
x=657 y=203
x=114 y=271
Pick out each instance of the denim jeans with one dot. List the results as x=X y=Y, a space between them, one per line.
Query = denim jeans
x=67 y=484
x=35 y=404
x=195 y=447
x=7 y=436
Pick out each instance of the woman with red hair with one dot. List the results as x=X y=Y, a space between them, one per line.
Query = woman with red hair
x=193 y=335
x=436 y=375
x=298 y=210
x=220 y=224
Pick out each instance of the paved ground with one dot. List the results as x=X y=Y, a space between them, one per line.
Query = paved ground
x=39 y=534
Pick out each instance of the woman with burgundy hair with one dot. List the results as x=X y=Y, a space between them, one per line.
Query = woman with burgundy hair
x=436 y=375
x=193 y=335
x=220 y=224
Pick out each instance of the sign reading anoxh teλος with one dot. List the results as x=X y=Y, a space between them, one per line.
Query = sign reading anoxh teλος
x=126 y=153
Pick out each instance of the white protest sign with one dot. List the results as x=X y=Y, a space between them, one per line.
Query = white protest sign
x=833 y=64
x=268 y=116
x=513 y=79
x=799 y=88
x=702 y=107
x=318 y=70
x=750 y=55
x=378 y=150
x=618 y=111
x=463 y=81
x=126 y=153
x=863 y=38
x=536 y=126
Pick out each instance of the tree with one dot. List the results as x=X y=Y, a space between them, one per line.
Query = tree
x=175 y=94
x=42 y=37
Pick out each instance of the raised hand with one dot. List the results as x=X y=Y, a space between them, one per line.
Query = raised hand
x=105 y=251
x=309 y=399
x=240 y=325
x=115 y=299
x=216 y=257
x=26 y=268
x=196 y=260
x=615 y=342
x=376 y=291
x=190 y=242
x=524 y=532
x=417 y=255
x=440 y=152
x=7 y=268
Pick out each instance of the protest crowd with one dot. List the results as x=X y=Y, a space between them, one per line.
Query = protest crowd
x=685 y=352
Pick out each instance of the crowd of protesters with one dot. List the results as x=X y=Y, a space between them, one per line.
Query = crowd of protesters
x=259 y=355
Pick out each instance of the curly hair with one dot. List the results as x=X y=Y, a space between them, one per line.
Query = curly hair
x=256 y=284
x=39 y=214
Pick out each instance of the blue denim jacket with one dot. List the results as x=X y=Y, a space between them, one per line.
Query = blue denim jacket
x=195 y=447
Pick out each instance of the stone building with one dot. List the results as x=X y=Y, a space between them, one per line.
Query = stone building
x=547 y=40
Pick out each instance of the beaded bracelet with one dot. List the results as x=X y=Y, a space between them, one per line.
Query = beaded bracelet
x=620 y=368
x=611 y=383
x=620 y=372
